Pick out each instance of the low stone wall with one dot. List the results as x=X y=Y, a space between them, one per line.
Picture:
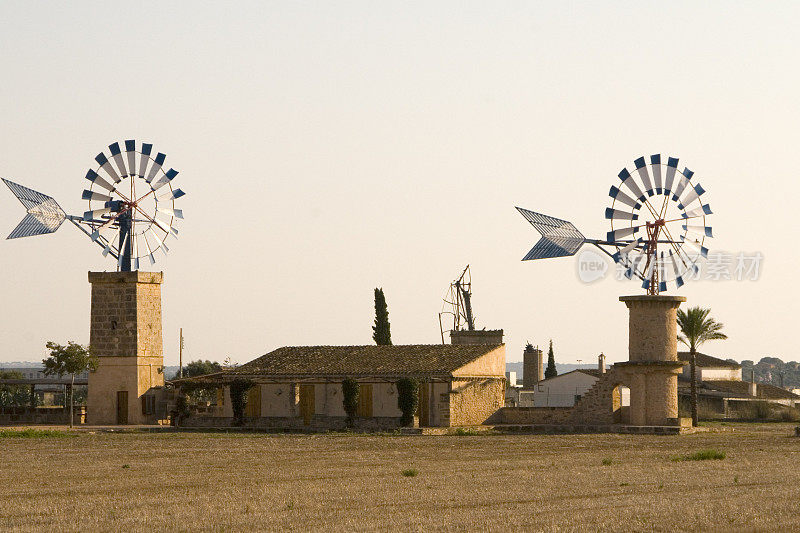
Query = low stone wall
x=318 y=423
x=534 y=415
x=19 y=416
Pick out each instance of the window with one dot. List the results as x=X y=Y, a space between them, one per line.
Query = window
x=148 y=404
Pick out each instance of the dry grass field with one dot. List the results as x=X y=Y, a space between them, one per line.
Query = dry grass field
x=208 y=481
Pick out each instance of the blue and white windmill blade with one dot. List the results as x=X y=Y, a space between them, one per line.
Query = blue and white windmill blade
x=177 y=213
x=699 y=230
x=655 y=165
x=616 y=214
x=644 y=175
x=620 y=196
x=166 y=178
x=698 y=211
x=622 y=255
x=155 y=167
x=629 y=182
x=145 y=158
x=105 y=164
x=95 y=178
x=616 y=235
x=692 y=194
x=130 y=151
x=676 y=269
x=672 y=167
x=117 y=156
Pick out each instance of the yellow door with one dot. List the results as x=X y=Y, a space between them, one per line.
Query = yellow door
x=364 y=399
x=307 y=402
x=423 y=410
x=122 y=407
x=253 y=407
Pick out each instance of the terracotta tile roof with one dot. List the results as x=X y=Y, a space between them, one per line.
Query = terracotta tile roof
x=765 y=390
x=740 y=389
x=413 y=359
x=707 y=361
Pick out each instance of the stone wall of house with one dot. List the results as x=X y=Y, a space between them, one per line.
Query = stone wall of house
x=476 y=401
x=534 y=415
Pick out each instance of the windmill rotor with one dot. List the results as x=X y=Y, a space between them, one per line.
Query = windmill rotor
x=659 y=225
x=131 y=205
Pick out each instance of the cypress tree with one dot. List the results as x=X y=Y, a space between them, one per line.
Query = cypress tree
x=380 y=331
x=551 y=371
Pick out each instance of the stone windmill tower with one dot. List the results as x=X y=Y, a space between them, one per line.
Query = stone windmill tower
x=131 y=215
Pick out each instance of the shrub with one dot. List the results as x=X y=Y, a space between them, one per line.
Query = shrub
x=410 y=472
x=350 y=398
x=762 y=410
x=407 y=400
x=607 y=461
x=702 y=455
x=239 y=388
x=181 y=408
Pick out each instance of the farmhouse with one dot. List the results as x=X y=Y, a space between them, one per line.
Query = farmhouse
x=301 y=386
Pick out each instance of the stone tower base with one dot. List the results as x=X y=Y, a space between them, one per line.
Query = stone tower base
x=125 y=335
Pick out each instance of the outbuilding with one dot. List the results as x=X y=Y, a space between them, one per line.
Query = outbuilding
x=298 y=387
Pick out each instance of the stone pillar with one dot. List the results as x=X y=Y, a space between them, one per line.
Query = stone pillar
x=653 y=365
x=532 y=367
x=125 y=334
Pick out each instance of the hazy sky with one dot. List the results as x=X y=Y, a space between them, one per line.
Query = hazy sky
x=329 y=148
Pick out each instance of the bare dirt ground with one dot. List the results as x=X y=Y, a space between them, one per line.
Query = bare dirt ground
x=208 y=481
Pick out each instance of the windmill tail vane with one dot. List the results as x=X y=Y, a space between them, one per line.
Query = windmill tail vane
x=128 y=224
x=656 y=209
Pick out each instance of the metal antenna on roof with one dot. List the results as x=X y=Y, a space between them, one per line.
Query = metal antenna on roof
x=679 y=222
x=128 y=225
x=458 y=303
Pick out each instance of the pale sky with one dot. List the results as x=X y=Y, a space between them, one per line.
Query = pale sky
x=330 y=148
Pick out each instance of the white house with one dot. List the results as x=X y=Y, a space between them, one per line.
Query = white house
x=565 y=390
x=710 y=368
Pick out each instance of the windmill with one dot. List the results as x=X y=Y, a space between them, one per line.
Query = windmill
x=659 y=225
x=458 y=303
x=131 y=206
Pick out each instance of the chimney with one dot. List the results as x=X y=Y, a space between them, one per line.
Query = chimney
x=532 y=367
x=601 y=363
x=753 y=386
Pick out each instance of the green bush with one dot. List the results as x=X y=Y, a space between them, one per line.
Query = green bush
x=607 y=461
x=410 y=472
x=350 y=398
x=407 y=400
x=239 y=388
x=181 y=408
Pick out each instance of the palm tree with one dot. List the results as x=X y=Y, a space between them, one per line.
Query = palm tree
x=697 y=328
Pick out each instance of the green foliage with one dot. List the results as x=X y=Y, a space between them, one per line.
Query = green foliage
x=199 y=393
x=410 y=472
x=702 y=455
x=697 y=327
x=407 y=399
x=199 y=368
x=550 y=371
x=181 y=408
x=13 y=395
x=607 y=461
x=239 y=388
x=31 y=433
x=350 y=398
x=70 y=359
x=381 y=333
